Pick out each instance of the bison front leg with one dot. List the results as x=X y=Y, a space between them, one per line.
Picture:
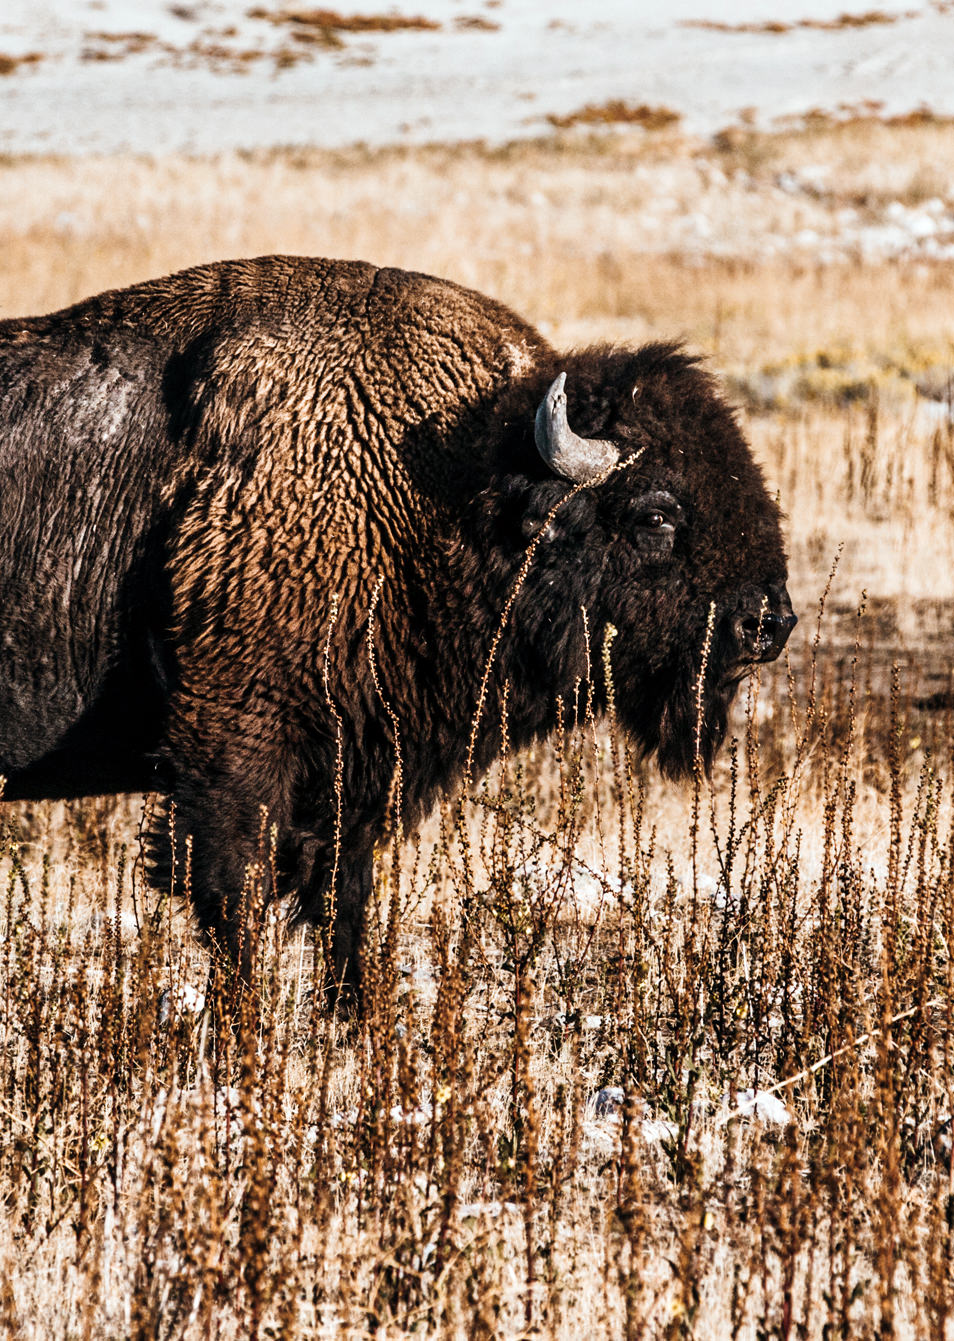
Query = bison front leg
x=333 y=894
x=350 y=905
x=215 y=846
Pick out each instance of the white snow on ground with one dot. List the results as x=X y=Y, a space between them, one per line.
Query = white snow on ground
x=459 y=82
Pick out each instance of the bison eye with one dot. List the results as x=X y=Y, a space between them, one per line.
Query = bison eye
x=656 y=511
x=653 y=520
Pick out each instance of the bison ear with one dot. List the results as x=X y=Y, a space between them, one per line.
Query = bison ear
x=582 y=460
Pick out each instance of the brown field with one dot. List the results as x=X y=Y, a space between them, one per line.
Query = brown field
x=444 y=1168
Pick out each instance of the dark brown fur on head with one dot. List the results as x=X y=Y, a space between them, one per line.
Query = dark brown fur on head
x=678 y=437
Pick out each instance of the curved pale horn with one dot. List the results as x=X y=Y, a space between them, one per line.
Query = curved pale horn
x=578 y=459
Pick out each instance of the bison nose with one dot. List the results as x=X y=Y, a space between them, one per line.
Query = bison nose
x=761 y=633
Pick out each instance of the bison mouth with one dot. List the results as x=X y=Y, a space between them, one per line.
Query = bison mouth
x=682 y=722
x=733 y=677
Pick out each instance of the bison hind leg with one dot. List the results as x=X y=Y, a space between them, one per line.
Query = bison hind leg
x=333 y=895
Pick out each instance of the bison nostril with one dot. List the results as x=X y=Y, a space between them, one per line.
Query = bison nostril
x=761 y=635
x=746 y=629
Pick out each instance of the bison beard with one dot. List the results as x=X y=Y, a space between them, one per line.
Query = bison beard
x=210 y=477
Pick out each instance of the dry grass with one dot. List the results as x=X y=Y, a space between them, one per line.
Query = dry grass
x=618 y=112
x=329 y=20
x=476 y=23
x=443 y=1167
x=311 y=31
x=567 y=230
x=861 y=160
x=9 y=64
x=869 y=19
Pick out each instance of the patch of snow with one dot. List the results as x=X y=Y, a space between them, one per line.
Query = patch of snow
x=713 y=889
x=921 y=224
x=182 y=999
x=403 y=1117
x=815 y=176
x=658 y=1129
x=452 y=83
x=603 y=1129
x=757 y=1104
x=564 y=1021
x=608 y=1101
x=490 y=1210
x=590 y=888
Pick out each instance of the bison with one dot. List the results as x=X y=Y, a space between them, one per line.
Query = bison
x=212 y=481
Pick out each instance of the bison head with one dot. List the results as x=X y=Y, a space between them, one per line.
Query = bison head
x=651 y=514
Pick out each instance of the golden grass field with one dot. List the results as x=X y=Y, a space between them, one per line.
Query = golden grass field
x=445 y=1167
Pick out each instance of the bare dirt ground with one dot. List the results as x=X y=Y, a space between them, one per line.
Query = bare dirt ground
x=548 y=1123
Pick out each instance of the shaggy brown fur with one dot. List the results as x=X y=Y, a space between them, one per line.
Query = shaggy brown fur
x=200 y=471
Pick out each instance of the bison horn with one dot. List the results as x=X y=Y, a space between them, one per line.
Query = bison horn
x=581 y=460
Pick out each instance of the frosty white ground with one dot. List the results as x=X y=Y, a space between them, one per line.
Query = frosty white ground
x=451 y=84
